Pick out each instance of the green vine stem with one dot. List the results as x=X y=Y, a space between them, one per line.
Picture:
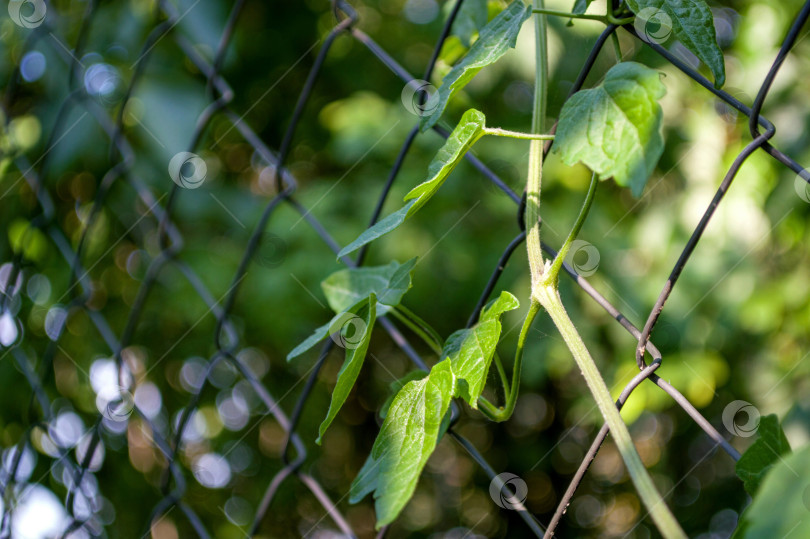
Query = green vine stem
x=532 y=203
x=535 y=174
x=490 y=411
x=618 y=22
x=545 y=294
x=511 y=399
x=549 y=297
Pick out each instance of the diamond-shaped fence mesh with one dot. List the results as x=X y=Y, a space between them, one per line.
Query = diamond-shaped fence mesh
x=47 y=443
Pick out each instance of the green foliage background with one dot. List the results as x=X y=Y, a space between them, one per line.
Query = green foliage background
x=736 y=326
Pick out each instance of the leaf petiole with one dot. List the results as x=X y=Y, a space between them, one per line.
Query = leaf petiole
x=498 y=132
x=534 y=308
x=608 y=18
x=501 y=373
x=421 y=328
x=567 y=15
x=490 y=411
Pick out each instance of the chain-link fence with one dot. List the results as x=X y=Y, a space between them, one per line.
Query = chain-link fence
x=123 y=399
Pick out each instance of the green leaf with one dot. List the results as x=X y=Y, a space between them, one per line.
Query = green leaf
x=471 y=18
x=418 y=414
x=346 y=291
x=581 y=6
x=494 y=309
x=407 y=438
x=398 y=384
x=362 y=317
x=493 y=41
x=452 y=50
x=763 y=453
x=317 y=336
x=781 y=506
x=367 y=478
x=615 y=128
x=471 y=350
x=336 y=326
x=469 y=129
x=388 y=283
x=380 y=228
x=693 y=24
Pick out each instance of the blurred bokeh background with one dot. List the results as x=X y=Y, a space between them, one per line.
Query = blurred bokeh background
x=736 y=327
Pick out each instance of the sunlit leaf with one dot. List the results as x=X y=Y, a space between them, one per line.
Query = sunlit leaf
x=364 y=315
x=763 y=453
x=615 y=128
x=471 y=350
x=693 y=24
x=406 y=440
x=494 y=309
x=452 y=50
x=398 y=384
x=494 y=40
x=417 y=415
x=469 y=129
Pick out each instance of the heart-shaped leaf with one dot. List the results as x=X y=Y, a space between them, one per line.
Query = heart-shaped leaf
x=615 y=128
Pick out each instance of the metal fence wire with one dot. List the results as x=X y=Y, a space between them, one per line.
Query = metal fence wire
x=83 y=499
